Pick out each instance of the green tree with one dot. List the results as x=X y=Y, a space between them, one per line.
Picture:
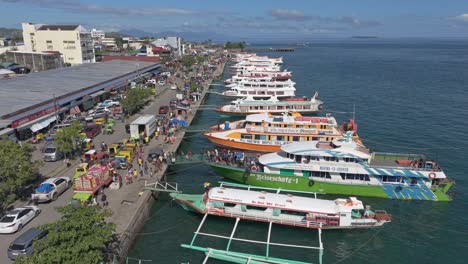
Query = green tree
x=234 y=45
x=16 y=169
x=136 y=99
x=188 y=60
x=69 y=139
x=201 y=59
x=80 y=236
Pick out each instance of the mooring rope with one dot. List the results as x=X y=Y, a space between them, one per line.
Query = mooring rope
x=359 y=248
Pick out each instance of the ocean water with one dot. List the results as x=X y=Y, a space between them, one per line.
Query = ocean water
x=410 y=96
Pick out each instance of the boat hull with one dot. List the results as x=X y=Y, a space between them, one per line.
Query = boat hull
x=194 y=203
x=243 y=145
x=299 y=183
x=311 y=112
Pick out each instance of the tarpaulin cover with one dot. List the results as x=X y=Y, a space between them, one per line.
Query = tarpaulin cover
x=45 y=188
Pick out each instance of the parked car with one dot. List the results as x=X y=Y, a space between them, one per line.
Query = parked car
x=163 y=109
x=109 y=103
x=51 y=153
x=162 y=82
x=173 y=103
x=99 y=109
x=23 y=245
x=15 y=219
x=50 y=189
x=151 y=81
x=92 y=130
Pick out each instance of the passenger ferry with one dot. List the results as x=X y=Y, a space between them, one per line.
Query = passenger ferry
x=248 y=105
x=283 y=209
x=278 y=89
x=344 y=167
x=267 y=133
x=247 y=69
x=260 y=77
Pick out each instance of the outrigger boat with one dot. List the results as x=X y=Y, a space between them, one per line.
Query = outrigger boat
x=267 y=133
x=344 y=167
x=228 y=254
x=283 y=209
x=249 y=105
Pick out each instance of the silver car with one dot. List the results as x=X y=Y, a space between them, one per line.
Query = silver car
x=51 y=153
x=23 y=245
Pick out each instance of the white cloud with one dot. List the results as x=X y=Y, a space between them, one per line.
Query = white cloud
x=287 y=14
x=462 y=17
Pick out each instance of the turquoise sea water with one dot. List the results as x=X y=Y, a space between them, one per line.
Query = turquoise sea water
x=410 y=96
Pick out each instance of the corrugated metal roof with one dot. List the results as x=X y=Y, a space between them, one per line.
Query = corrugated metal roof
x=35 y=88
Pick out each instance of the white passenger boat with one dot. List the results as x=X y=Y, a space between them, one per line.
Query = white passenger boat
x=344 y=167
x=248 y=105
x=284 y=209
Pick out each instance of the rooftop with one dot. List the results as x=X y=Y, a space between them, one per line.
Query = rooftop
x=35 y=88
x=284 y=201
x=58 y=27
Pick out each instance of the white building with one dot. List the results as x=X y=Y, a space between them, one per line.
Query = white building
x=96 y=34
x=73 y=41
x=173 y=42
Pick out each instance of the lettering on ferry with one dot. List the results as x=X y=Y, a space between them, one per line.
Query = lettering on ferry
x=337 y=169
x=276 y=179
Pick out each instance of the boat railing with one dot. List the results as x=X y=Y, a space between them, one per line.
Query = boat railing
x=351 y=182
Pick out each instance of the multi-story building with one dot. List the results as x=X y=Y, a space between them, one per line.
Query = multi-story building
x=36 y=61
x=97 y=34
x=73 y=41
x=173 y=42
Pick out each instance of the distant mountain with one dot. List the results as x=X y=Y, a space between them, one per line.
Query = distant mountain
x=136 y=33
x=14 y=33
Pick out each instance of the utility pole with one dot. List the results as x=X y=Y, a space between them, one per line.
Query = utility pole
x=55 y=109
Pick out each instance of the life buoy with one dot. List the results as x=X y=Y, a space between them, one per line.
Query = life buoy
x=311 y=183
x=254 y=168
x=320 y=107
x=432 y=175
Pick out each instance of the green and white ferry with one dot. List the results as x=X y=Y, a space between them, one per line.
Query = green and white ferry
x=344 y=167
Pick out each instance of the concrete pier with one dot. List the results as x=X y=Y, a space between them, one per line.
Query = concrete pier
x=132 y=206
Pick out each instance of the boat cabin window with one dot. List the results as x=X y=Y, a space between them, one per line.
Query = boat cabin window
x=229 y=204
x=353 y=176
x=289 y=212
x=280 y=138
x=295 y=138
x=298 y=158
x=246 y=136
x=321 y=174
x=391 y=178
x=251 y=207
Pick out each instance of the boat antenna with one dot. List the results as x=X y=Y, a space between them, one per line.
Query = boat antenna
x=354 y=112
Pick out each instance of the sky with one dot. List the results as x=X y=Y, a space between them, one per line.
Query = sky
x=252 y=20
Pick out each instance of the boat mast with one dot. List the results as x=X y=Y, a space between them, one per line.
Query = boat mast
x=354 y=113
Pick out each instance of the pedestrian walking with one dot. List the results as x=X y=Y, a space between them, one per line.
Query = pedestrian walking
x=135 y=173
x=104 y=201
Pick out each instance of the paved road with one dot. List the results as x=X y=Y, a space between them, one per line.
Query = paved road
x=52 y=169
